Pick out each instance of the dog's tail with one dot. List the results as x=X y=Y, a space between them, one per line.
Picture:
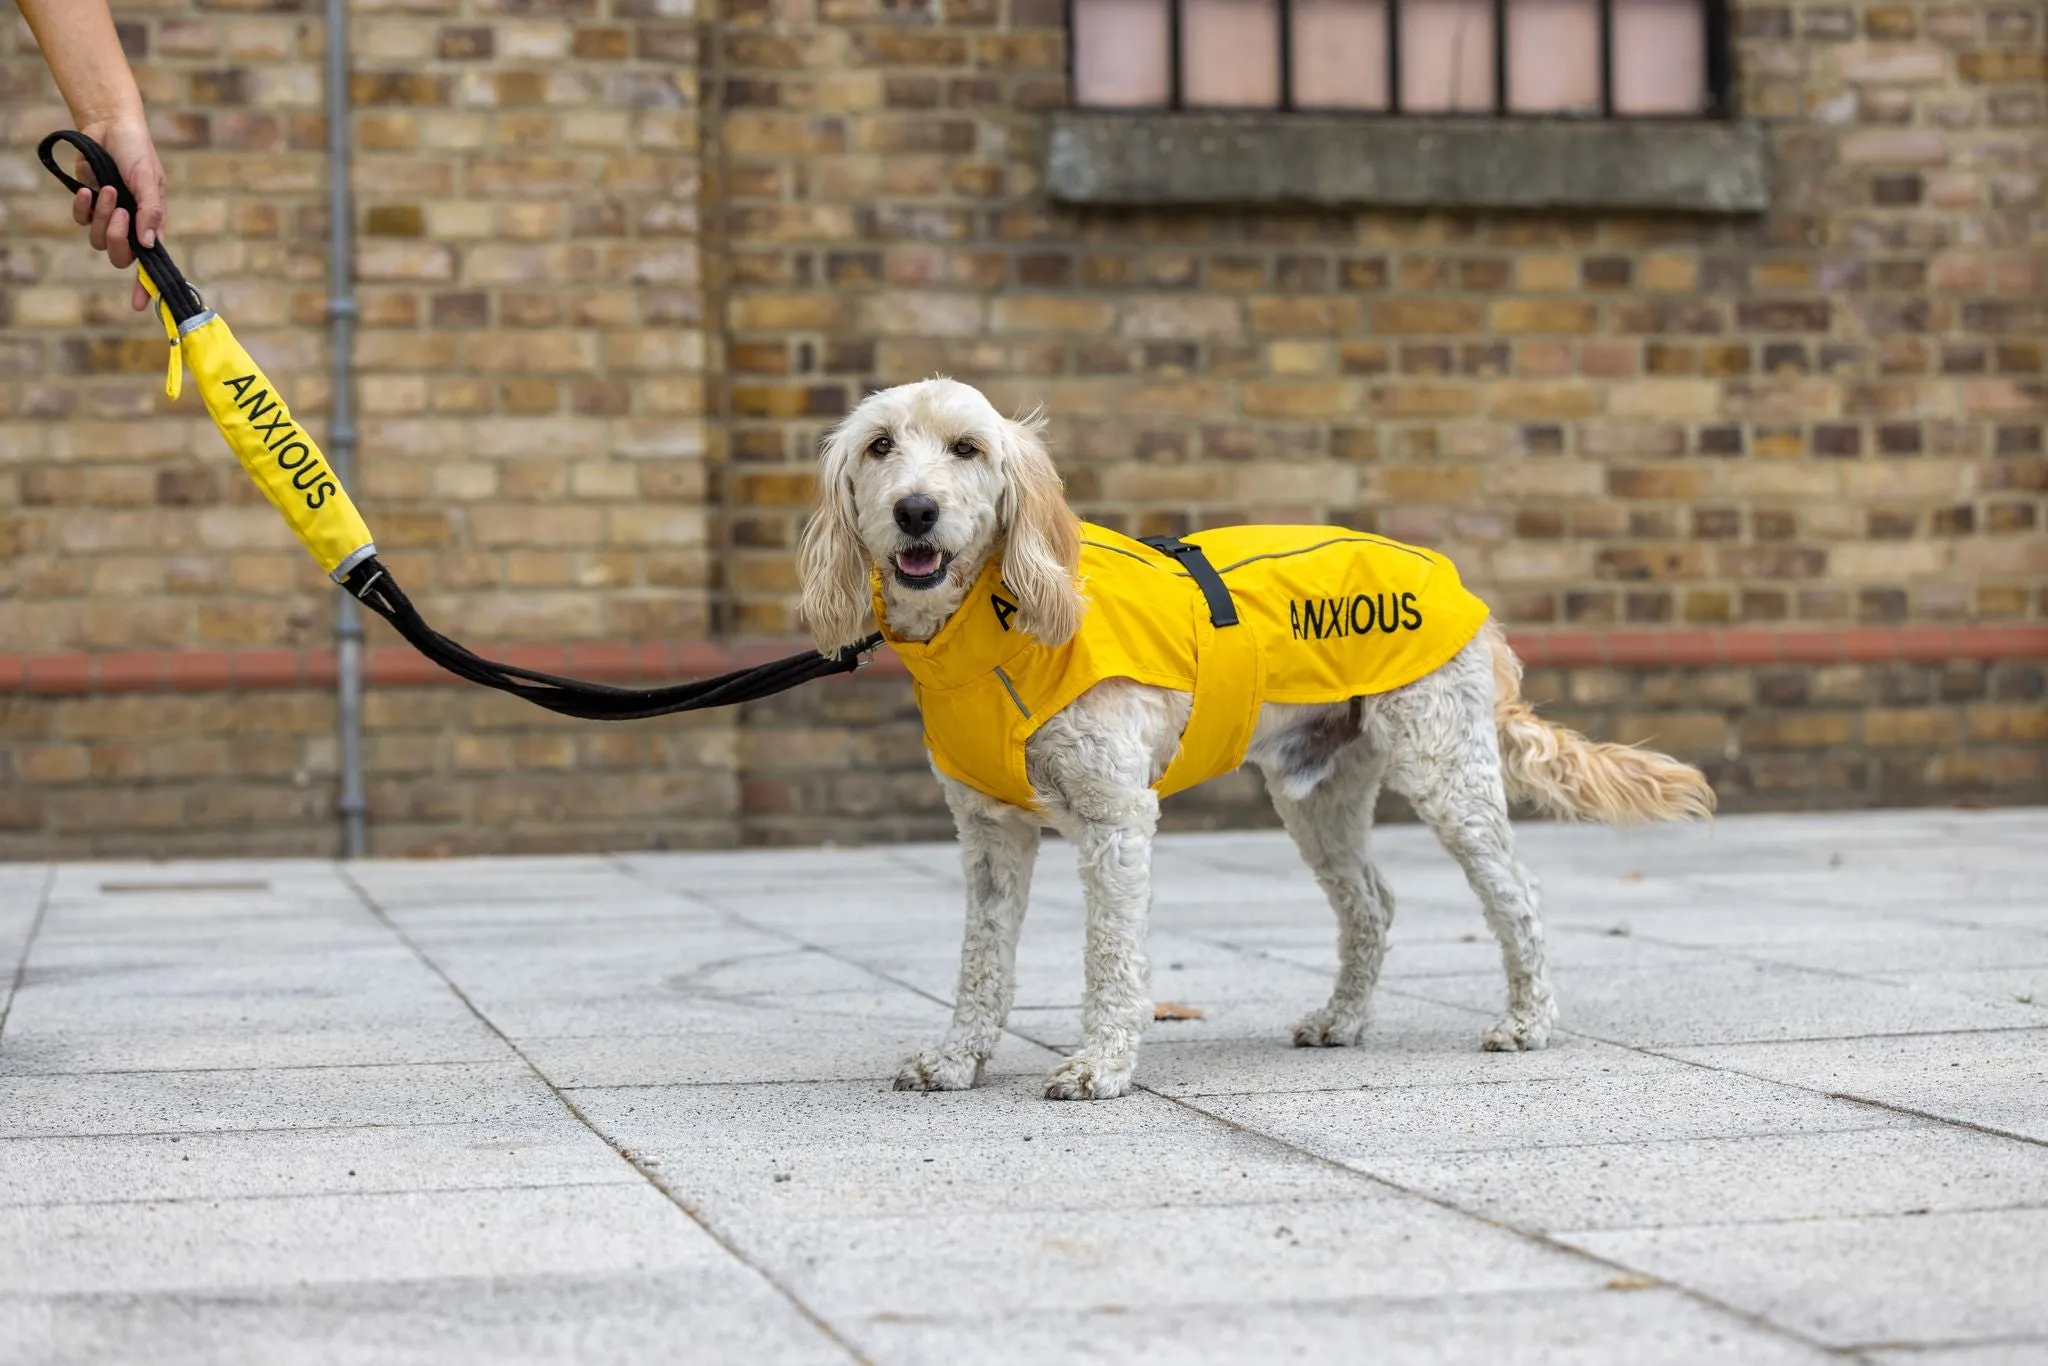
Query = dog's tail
x=1565 y=774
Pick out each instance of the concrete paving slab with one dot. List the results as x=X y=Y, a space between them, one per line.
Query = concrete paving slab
x=1738 y=1001
x=805 y=1045
x=1890 y=1170
x=542 y=1150
x=279 y=1098
x=1427 y=951
x=779 y=1152
x=1950 y=890
x=2030 y=1351
x=1050 y=969
x=1653 y=1327
x=1945 y=1278
x=2015 y=985
x=1147 y=1257
x=1832 y=940
x=92 y=978
x=717 y=966
x=709 y=1313
x=1622 y=1104
x=199 y=1245
x=767 y=1016
x=1996 y=1078
x=241 y=1040
x=1411 y=1043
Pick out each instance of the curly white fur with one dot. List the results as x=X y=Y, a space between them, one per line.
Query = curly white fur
x=1454 y=743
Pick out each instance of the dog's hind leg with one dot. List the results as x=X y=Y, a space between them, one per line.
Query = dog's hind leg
x=1332 y=826
x=1446 y=761
x=998 y=850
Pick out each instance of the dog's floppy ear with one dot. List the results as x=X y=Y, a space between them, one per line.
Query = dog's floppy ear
x=836 y=602
x=1042 y=549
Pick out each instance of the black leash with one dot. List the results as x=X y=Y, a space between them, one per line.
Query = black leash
x=371 y=583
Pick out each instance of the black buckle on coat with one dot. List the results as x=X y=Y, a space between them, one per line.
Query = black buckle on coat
x=1222 y=609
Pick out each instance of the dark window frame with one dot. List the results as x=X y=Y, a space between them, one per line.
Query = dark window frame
x=1713 y=16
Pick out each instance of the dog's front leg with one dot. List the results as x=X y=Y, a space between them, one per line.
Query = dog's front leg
x=1115 y=854
x=998 y=850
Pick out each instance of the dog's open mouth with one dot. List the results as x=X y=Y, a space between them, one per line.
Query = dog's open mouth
x=922 y=566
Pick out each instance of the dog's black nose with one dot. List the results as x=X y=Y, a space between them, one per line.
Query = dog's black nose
x=917 y=513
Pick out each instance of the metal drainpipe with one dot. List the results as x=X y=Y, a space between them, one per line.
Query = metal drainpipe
x=341 y=428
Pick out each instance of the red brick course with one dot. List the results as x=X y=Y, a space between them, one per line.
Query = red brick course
x=205 y=671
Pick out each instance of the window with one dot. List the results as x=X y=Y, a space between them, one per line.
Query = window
x=1534 y=58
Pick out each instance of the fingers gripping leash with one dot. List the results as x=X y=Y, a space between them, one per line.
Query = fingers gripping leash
x=286 y=463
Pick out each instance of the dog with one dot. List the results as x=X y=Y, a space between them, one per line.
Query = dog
x=926 y=494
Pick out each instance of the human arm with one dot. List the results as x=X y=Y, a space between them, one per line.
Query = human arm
x=79 y=43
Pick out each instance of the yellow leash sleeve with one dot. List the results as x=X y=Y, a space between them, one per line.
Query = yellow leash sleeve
x=279 y=455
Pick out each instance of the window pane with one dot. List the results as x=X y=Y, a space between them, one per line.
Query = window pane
x=1230 y=53
x=1660 y=57
x=1340 y=54
x=1120 y=52
x=1554 y=56
x=1446 y=55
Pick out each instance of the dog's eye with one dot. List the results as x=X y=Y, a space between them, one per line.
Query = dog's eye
x=966 y=449
x=880 y=447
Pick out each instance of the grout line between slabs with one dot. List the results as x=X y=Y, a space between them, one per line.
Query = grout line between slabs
x=256 y=1067
x=175 y=1134
x=824 y=1327
x=1783 y=1220
x=28 y=943
x=228 y=1198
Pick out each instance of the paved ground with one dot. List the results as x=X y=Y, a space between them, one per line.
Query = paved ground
x=635 y=1109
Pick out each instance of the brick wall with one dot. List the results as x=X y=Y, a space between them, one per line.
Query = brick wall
x=621 y=261
x=1831 y=415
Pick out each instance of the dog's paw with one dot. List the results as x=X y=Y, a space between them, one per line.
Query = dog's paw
x=1331 y=1028
x=1518 y=1032
x=1089 y=1078
x=939 y=1069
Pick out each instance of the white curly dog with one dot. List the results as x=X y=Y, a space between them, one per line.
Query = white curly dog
x=921 y=484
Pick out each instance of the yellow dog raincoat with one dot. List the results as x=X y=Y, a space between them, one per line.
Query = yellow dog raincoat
x=1321 y=615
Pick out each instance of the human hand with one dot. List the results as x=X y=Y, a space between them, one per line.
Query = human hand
x=127 y=140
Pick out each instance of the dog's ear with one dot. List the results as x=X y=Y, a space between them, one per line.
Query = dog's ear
x=836 y=602
x=1042 y=549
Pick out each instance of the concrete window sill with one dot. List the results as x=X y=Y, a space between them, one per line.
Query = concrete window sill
x=1153 y=160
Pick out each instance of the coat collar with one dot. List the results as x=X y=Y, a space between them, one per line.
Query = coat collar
x=982 y=635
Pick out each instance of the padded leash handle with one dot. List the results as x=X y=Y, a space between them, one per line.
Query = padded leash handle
x=171 y=286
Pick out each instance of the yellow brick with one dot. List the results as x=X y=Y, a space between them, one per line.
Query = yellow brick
x=1543 y=315
x=1053 y=315
x=1428 y=316
x=1665 y=400
x=1554 y=273
x=1674 y=274
x=1299 y=357
x=1264 y=398
x=1425 y=400
x=1428 y=485
x=1532 y=399
x=785 y=312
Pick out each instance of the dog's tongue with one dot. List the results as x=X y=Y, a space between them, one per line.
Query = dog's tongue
x=918 y=564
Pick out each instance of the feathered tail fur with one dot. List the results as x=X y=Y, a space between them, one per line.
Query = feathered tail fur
x=1565 y=774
